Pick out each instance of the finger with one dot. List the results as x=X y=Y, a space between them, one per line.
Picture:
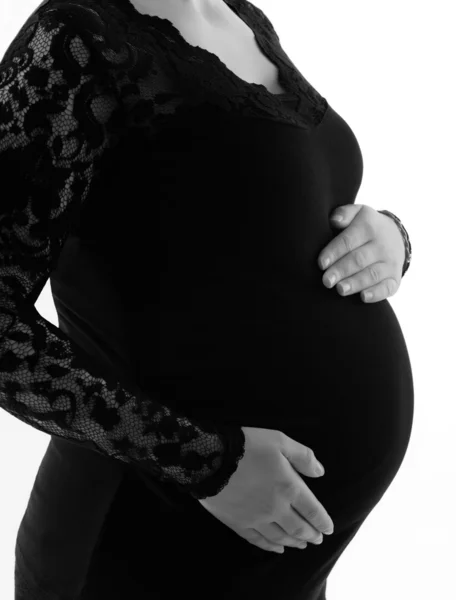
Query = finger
x=273 y=532
x=294 y=525
x=351 y=264
x=373 y=274
x=381 y=291
x=299 y=496
x=257 y=539
x=311 y=510
x=346 y=242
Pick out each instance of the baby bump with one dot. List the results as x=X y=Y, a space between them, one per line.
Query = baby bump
x=331 y=372
x=287 y=351
x=340 y=382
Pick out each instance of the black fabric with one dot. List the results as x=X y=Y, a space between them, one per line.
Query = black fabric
x=60 y=117
x=179 y=211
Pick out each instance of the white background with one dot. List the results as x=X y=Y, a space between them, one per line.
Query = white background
x=388 y=69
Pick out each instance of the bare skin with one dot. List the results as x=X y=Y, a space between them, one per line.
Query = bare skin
x=213 y=26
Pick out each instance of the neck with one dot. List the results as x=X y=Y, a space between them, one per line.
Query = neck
x=212 y=11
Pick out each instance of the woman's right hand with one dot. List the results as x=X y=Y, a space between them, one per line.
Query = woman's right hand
x=266 y=501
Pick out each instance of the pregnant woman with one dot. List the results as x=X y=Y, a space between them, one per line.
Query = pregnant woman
x=171 y=171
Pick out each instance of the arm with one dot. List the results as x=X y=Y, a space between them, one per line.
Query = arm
x=49 y=151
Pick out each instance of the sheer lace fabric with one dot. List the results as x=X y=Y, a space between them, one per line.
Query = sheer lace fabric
x=58 y=103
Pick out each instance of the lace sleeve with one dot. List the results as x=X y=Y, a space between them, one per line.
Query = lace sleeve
x=56 y=102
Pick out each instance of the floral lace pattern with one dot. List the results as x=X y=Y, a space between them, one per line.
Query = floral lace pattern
x=204 y=73
x=58 y=99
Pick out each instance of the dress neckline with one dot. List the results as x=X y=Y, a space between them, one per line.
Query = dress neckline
x=168 y=26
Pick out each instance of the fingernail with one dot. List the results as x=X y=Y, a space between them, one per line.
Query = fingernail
x=319 y=470
x=332 y=280
x=345 y=287
x=337 y=218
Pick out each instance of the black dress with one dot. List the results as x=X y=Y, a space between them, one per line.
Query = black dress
x=179 y=212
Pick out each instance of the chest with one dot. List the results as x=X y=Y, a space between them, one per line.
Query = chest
x=226 y=36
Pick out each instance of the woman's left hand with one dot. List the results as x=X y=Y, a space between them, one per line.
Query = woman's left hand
x=368 y=255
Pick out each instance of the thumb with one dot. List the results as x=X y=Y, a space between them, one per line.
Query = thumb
x=348 y=212
x=302 y=458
